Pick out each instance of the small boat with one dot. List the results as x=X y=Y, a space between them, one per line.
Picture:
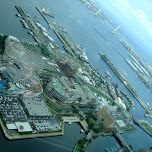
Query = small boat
x=108 y=74
x=18 y=15
x=31 y=33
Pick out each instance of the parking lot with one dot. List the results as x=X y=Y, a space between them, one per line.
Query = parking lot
x=11 y=109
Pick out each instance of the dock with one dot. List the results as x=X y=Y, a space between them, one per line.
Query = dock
x=67 y=48
x=141 y=126
x=41 y=12
x=126 y=83
x=38 y=33
x=51 y=25
x=46 y=12
x=75 y=119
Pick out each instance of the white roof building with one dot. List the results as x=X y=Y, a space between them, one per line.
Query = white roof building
x=23 y=126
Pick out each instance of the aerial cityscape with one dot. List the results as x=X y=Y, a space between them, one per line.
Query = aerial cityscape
x=72 y=79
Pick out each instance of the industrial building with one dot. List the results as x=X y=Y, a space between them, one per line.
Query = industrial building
x=46 y=125
x=67 y=69
x=111 y=90
x=118 y=93
x=36 y=107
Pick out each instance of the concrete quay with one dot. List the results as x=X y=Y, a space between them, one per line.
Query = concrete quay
x=126 y=83
x=29 y=135
x=51 y=25
x=142 y=127
x=46 y=12
x=41 y=12
x=75 y=119
x=38 y=34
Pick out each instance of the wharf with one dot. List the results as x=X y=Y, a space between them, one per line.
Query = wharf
x=41 y=12
x=51 y=25
x=38 y=33
x=126 y=83
x=46 y=12
x=76 y=119
x=68 y=49
x=139 y=74
x=142 y=127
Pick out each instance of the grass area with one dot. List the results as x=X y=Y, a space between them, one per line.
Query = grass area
x=78 y=148
x=44 y=50
x=98 y=92
x=54 y=72
x=98 y=128
x=148 y=127
x=127 y=107
x=2 y=44
x=91 y=121
x=54 y=107
x=59 y=86
x=53 y=57
x=52 y=111
x=82 y=145
x=127 y=98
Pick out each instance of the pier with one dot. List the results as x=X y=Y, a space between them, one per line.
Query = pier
x=51 y=25
x=41 y=12
x=37 y=32
x=46 y=12
x=127 y=84
x=142 y=127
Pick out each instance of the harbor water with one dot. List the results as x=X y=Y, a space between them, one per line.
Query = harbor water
x=95 y=35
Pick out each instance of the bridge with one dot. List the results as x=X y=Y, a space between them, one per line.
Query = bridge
x=121 y=141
